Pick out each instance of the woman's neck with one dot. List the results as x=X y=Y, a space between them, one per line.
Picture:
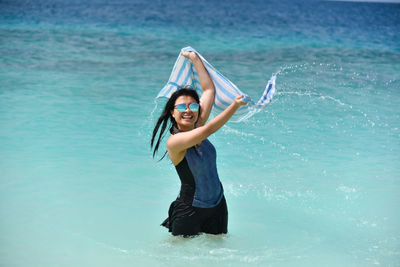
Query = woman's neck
x=184 y=128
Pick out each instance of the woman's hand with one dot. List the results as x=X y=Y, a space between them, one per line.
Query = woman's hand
x=238 y=101
x=189 y=54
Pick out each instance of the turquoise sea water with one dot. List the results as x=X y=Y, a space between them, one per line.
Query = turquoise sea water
x=314 y=180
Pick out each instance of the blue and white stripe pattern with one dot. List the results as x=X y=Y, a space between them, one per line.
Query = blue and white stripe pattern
x=184 y=74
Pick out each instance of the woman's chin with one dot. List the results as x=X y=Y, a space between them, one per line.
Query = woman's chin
x=186 y=124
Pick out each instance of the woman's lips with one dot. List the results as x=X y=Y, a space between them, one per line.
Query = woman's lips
x=187 y=117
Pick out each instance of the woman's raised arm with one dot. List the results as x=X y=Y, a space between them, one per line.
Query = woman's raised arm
x=179 y=142
x=207 y=85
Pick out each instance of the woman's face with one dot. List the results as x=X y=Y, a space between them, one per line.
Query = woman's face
x=187 y=119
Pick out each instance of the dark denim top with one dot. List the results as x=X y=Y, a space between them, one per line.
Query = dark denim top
x=198 y=174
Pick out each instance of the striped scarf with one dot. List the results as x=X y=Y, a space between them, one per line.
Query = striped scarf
x=184 y=74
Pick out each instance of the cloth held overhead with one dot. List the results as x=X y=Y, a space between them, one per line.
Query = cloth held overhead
x=184 y=74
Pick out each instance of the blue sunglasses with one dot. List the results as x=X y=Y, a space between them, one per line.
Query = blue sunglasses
x=182 y=107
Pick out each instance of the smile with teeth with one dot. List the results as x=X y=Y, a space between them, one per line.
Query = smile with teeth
x=187 y=117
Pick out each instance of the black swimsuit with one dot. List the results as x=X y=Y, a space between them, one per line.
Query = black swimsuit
x=200 y=206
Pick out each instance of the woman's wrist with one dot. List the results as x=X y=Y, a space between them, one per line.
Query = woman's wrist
x=235 y=105
x=193 y=56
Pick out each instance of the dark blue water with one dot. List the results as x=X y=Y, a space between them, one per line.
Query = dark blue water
x=314 y=22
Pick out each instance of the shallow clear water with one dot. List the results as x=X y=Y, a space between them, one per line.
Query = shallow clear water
x=312 y=181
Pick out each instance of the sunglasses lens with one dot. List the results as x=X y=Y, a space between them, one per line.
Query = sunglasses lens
x=181 y=107
x=194 y=107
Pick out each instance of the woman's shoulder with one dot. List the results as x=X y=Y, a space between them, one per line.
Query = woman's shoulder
x=171 y=140
x=176 y=156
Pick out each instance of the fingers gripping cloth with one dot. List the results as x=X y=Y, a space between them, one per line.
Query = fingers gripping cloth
x=184 y=74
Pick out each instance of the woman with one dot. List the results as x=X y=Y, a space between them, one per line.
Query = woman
x=200 y=206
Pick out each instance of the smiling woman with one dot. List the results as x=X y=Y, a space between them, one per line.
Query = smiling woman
x=185 y=112
x=200 y=206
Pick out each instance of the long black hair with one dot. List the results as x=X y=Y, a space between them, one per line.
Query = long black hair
x=167 y=116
